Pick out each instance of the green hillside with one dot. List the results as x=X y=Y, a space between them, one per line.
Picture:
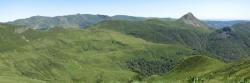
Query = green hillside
x=201 y=69
x=242 y=30
x=235 y=73
x=188 y=31
x=192 y=67
x=124 y=49
x=163 y=31
x=91 y=55
x=223 y=44
x=231 y=43
x=9 y=37
x=158 y=31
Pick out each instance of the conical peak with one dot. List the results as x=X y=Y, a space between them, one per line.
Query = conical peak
x=190 y=19
x=189 y=16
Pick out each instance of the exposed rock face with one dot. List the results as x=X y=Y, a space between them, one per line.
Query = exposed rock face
x=192 y=20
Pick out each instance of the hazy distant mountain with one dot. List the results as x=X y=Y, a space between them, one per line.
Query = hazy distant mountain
x=84 y=20
x=73 y=21
x=70 y=21
x=133 y=18
x=221 y=24
x=128 y=18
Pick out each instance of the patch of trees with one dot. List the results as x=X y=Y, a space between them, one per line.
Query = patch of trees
x=227 y=29
x=146 y=67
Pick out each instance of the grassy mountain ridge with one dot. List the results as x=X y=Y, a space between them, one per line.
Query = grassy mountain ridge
x=225 y=44
x=159 y=31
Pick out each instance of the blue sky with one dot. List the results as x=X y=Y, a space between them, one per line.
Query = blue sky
x=203 y=9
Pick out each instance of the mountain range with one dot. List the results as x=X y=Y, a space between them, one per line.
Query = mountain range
x=87 y=48
x=85 y=20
